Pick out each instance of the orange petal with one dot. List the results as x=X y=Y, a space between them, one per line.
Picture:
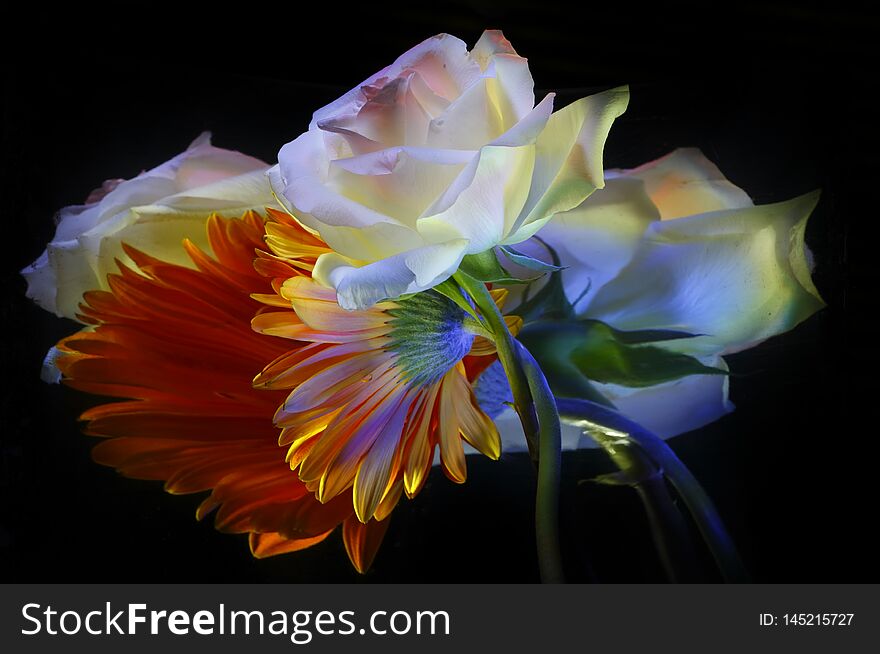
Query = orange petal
x=392 y=497
x=420 y=449
x=376 y=471
x=451 y=450
x=362 y=541
x=477 y=428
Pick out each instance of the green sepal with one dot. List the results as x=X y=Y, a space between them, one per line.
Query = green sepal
x=526 y=261
x=486 y=268
x=550 y=302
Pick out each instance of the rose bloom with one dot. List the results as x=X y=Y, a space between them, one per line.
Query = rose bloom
x=674 y=245
x=154 y=211
x=440 y=155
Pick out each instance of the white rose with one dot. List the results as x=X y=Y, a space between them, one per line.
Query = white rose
x=153 y=212
x=674 y=245
x=440 y=155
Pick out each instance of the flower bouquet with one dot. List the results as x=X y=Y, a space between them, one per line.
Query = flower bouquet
x=439 y=267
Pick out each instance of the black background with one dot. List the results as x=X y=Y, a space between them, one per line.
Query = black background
x=781 y=97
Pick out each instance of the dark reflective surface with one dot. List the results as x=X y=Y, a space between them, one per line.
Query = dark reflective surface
x=778 y=97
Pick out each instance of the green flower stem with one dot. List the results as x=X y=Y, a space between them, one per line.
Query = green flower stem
x=549 y=465
x=692 y=494
x=537 y=411
x=505 y=345
x=668 y=527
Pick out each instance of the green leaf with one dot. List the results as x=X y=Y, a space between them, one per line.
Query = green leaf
x=551 y=349
x=526 y=261
x=643 y=336
x=486 y=268
x=605 y=355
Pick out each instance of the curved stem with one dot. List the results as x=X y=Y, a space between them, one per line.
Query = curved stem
x=641 y=473
x=549 y=465
x=537 y=411
x=699 y=504
x=504 y=344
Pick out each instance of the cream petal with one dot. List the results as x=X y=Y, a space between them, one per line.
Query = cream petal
x=305 y=156
x=50 y=373
x=530 y=126
x=390 y=115
x=346 y=225
x=200 y=164
x=160 y=235
x=484 y=210
x=510 y=82
x=430 y=102
x=737 y=277
x=158 y=229
x=401 y=182
x=470 y=121
x=568 y=160
x=58 y=285
x=73 y=221
x=442 y=61
x=384 y=237
x=236 y=194
x=152 y=212
x=42 y=284
x=678 y=406
x=140 y=191
x=203 y=164
x=490 y=43
x=597 y=239
x=408 y=272
x=685 y=182
x=510 y=87
x=491 y=109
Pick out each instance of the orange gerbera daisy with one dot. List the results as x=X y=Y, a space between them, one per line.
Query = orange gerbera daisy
x=374 y=391
x=177 y=343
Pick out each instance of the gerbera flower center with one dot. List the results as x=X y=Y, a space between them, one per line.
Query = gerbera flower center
x=428 y=335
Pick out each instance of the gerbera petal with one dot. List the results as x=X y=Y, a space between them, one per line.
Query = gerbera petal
x=332 y=378
x=451 y=449
x=177 y=345
x=271 y=544
x=420 y=449
x=476 y=427
x=379 y=465
x=342 y=471
x=362 y=541
x=317 y=307
x=366 y=403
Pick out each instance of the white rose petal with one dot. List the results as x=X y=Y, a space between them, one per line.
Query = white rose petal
x=736 y=277
x=674 y=245
x=154 y=212
x=440 y=147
